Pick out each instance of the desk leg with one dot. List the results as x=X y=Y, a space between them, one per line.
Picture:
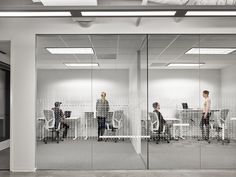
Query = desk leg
x=173 y=133
x=42 y=132
x=181 y=133
x=76 y=130
x=86 y=129
x=223 y=132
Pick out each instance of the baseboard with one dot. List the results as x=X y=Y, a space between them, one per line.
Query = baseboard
x=4 y=145
x=23 y=171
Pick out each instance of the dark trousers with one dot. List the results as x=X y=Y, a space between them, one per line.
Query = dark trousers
x=65 y=128
x=205 y=122
x=101 y=126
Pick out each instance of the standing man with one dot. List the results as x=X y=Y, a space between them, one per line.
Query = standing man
x=206 y=116
x=102 y=108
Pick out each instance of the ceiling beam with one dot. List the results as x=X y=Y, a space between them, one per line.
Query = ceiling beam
x=138 y=21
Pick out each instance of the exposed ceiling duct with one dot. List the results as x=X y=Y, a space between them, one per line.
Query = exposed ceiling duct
x=195 y=2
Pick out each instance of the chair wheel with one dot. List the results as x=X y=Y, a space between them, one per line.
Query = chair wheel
x=209 y=142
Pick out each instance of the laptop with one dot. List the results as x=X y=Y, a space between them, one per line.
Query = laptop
x=185 y=105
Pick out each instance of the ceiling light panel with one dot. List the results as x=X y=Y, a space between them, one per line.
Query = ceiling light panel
x=127 y=13
x=69 y=2
x=185 y=64
x=211 y=13
x=211 y=51
x=82 y=64
x=70 y=50
x=35 y=14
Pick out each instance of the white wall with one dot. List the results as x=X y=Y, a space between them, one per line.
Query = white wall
x=228 y=89
x=21 y=32
x=79 y=89
x=172 y=87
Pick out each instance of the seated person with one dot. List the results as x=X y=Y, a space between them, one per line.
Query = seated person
x=162 y=122
x=59 y=118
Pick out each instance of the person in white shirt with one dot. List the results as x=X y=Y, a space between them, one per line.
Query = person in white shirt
x=206 y=116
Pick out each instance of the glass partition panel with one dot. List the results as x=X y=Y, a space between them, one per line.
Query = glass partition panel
x=4 y=105
x=64 y=101
x=173 y=102
x=143 y=55
x=116 y=88
x=218 y=93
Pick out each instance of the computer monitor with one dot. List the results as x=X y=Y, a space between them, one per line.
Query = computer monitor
x=185 y=105
x=67 y=114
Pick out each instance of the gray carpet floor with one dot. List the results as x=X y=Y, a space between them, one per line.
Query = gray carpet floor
x=88 y=154
x=183 y=154
x=5 y=159
x=187 y=154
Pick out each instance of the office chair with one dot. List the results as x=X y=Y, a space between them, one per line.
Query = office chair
x=116 y=123
x=154 y=128
x=49 y=125
x=89 y=122
x=222 y=126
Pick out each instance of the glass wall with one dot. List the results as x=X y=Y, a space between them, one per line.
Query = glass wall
x=136 y=101
x=103 y=87
x=4 y=105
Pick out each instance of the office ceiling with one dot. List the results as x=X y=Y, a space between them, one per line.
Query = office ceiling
x=120 y=51
x=33 y=3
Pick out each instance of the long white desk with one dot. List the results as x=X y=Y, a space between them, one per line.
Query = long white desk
x=74 y=119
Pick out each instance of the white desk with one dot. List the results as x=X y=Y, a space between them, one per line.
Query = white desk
x=171 y=119
x=233 y=118
x=75 y=119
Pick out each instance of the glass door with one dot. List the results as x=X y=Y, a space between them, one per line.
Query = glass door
x=4 y=105
x=119 y=99
x=173 y=102
x=64 y=72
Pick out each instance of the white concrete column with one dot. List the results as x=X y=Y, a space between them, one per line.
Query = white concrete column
x=23 y=90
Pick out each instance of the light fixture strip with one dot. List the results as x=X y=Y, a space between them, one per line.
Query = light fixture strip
x=35 y=14
x=185 y=64
x=210 y=51
x=127 y=13
x=211 y=13
x=82 y=64
x=69 y=50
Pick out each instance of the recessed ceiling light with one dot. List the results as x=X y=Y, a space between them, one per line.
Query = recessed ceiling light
x=69 y=50
x=185 y=64
x=69 y=2
x=211 y=13
x=210 y=51
x=82 y=64
x=35 y=14
x=128 y=13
